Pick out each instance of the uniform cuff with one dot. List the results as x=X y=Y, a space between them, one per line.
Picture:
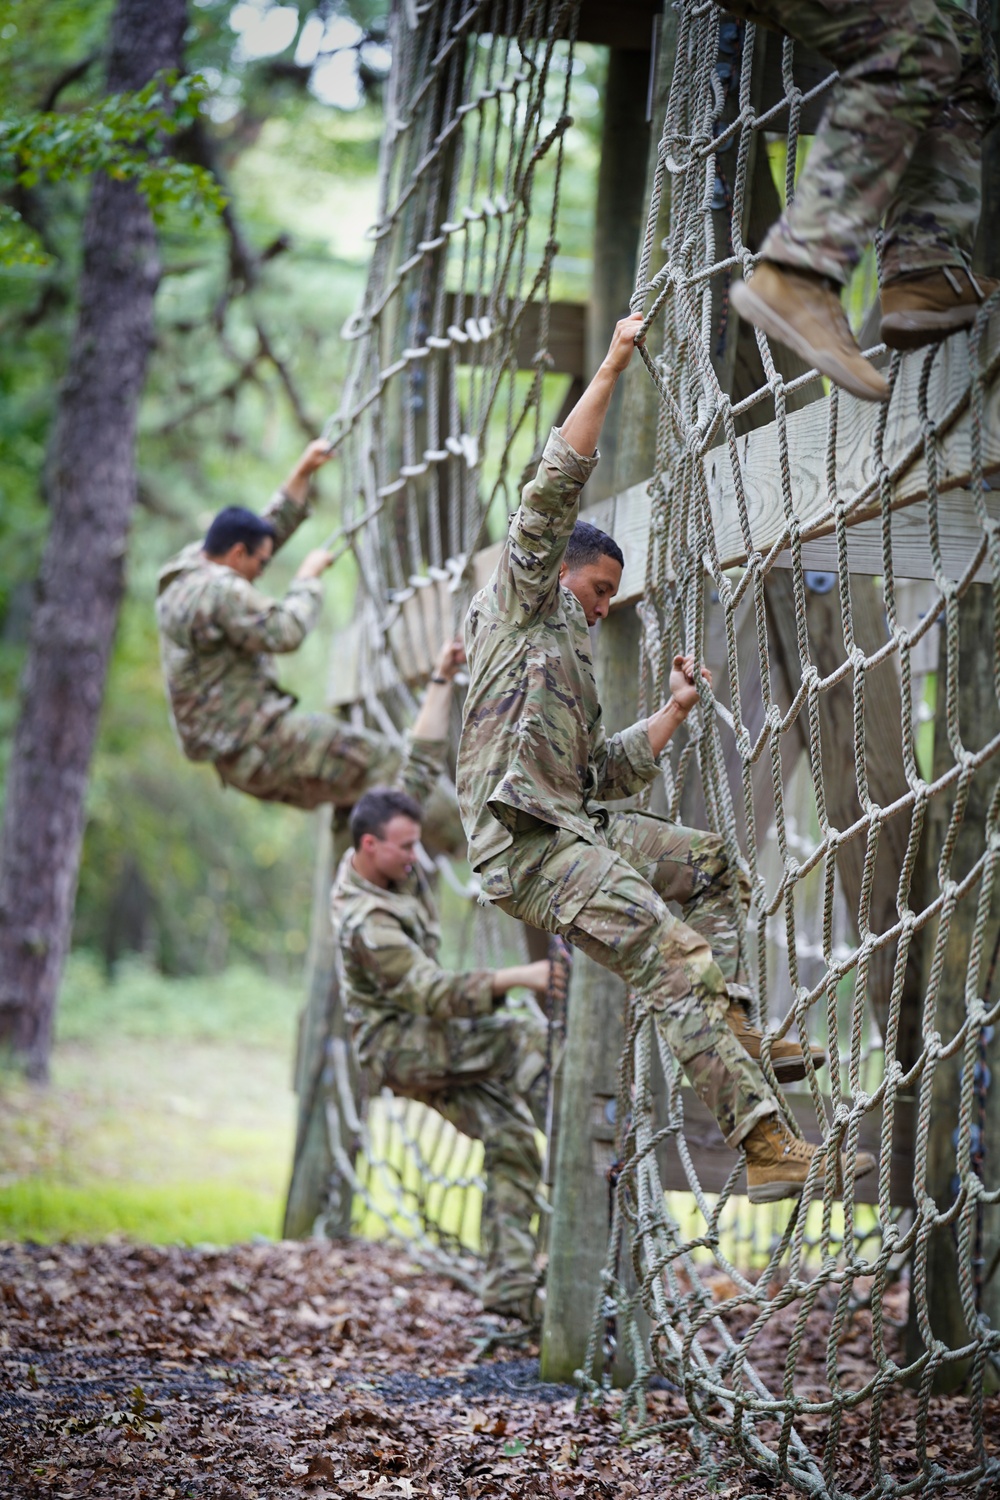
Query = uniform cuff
x=480 y=993
x=559 y=455
x=635 y=743
x=430 y=753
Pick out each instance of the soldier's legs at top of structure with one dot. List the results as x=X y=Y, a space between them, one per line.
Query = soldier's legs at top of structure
x=900 y=62
x=690 y=866
x=596 y=900
x=486 y=1076
x=307 y=760
x=928 y=288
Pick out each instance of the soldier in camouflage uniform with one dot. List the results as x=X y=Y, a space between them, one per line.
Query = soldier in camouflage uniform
x=534 y=766
x=217 y=636
x=442 y=1037
x=900 y=144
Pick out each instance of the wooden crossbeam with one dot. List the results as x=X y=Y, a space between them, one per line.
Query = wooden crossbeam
x=566 y=342
x=608 y=23
x=759 y=455
x=628 y=516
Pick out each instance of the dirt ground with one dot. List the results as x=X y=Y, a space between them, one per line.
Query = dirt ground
x=319 y=1371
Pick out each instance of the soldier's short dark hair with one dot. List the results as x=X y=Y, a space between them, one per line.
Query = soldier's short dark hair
x=378 y=807
x=587 y=543
x=237 y=524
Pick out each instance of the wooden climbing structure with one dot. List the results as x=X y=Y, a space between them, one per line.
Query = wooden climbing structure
x=838 y=567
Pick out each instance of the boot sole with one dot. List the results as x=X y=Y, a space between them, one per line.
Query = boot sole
x=910 y=331
x=775 y=1192
x=791 y=1070
x=755 y=310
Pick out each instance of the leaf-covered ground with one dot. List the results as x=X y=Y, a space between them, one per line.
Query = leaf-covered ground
x=314 y=1371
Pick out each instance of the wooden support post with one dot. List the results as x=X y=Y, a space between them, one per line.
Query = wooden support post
x=979 y=718
x=594 y=1040
x=619 y=224
x=640 y=400
x=317 y=1198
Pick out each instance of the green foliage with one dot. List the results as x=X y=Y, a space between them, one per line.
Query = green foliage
x=139 y=1002
x=171 y=1117
x=192 y=876
x=122 y=135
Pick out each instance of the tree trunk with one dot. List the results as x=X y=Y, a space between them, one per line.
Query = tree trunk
x=92 y=487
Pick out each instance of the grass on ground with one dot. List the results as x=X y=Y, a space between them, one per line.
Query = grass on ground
x=170 y=1116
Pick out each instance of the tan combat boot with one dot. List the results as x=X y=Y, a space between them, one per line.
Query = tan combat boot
x=778 y=1163
x=804 y=312
x=927 y=305
x=786 y=1056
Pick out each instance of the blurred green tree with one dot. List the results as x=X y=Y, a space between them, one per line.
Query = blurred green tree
x=220 y=413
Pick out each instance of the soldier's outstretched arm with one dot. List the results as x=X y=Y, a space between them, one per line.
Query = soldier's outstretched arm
x=289 y=508
x=527 y=576
x=428 y=748
x=408 y=979
x=432 y=721
x=253 y=621
x=683 y=697
x=582 y=428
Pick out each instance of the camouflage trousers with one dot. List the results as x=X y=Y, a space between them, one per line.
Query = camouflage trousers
x=309 y=759
x=900 y=142
x=487 y=1076
x=609 y=899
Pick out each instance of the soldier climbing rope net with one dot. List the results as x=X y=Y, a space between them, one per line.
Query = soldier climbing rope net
x=842 y=755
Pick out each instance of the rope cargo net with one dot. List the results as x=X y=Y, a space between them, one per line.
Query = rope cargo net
x=835 y=751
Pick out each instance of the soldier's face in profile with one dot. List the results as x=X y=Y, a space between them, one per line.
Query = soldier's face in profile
x=594 y=584
x=249 y=565
x=394 y=854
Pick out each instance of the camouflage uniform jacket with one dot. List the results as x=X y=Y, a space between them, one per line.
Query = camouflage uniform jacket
x=386 y=941
x=532 y=739
x=216 y=635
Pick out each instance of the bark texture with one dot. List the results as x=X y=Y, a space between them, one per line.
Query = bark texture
x=92 y=485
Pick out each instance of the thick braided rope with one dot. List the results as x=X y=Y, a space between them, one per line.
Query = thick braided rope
x=473 y=128
x=469 y=197
x=826 y=1265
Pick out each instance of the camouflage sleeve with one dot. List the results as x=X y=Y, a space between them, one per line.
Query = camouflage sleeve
x=623 y=764
x=253 y=622
x=407 y=979
x=527 y=574
x=285 y=515
x=424 y=763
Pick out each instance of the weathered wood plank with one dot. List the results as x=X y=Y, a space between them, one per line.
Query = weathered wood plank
x=759 y=453
x=627 y=516
x=566 y=342
x=960 y=535
x=609 y=23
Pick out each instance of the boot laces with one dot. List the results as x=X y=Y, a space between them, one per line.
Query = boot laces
x=956 y=285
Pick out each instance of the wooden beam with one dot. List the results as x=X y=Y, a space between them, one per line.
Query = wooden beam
x=595 y=1037
x=626 y=24
x=628 y=516
x=566 y=343
x=759 y=454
